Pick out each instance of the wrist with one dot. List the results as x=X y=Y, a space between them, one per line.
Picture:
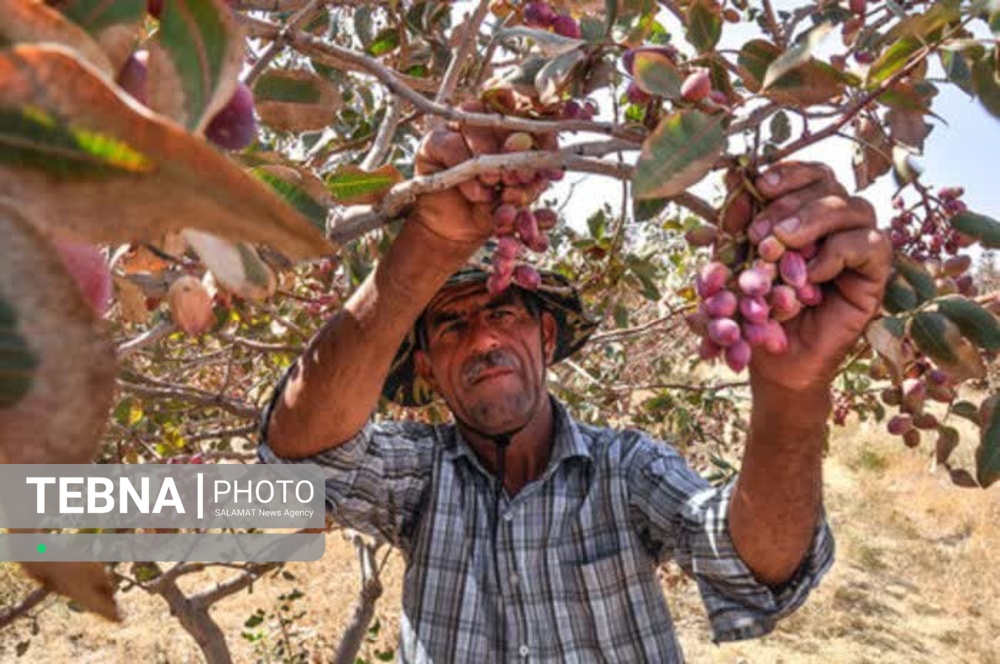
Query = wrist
x=803 y=410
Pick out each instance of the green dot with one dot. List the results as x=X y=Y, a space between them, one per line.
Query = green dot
x=41 y=548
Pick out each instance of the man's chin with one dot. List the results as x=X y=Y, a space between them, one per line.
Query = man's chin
x=498 y=416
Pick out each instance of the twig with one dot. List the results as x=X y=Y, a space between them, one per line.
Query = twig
x=261 y=346
x=461 y=57
x=773 y=27
x=699 y=206
x=358 y=220
x=33 y=599
x=404 y=87
x=194 y=396
x=756 y=117
x=233 y=585
x=147 y=338
x=280 y=41
x=632 y=331
x=383 y=141
x=680 y=386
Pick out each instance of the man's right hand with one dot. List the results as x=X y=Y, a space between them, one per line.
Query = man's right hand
x=463 y=214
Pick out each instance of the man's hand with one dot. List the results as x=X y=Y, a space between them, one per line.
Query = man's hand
x=463 y=214
x=806 y=204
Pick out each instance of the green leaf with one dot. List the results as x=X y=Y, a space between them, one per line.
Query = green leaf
x=899 y=295
x=988 y=452
x=977 y=324
x=928 y=331
x=917 y=276
x=893 y=59
x=295 y=196
x=956 y=68
x=657 y=74
x=704 y=25
x=33 y=138
x=796 y=56
x=353 y=186
x=273 y=86
x=94 y=16
x=986 y=83
x=644 y=210
x=941 y=340
x=386 y=41
x=966 y=410
x=679 y=153
x=754 y=59
x=645 y=272
x=195 y=59
x=946 y=443
x=781 y=127
x=983 y=228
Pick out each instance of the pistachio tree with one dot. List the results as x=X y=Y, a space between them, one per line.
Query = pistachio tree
x=189 y=188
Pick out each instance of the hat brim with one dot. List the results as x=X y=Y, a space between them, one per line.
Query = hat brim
x=556 y=295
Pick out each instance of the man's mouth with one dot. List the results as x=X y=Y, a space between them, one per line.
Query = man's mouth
x=491 y=373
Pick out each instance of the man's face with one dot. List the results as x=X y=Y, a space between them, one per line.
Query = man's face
x=486 y=356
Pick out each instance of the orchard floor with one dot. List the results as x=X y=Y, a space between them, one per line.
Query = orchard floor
x=915 y=581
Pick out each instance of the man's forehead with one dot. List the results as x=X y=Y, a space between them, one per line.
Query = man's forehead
x=468 y=297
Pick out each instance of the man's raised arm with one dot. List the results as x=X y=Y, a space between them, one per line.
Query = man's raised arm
x=335 y=384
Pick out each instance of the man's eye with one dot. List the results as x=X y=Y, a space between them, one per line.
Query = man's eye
x=453 y=327
x=502 y=314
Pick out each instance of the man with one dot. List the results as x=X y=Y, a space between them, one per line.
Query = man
x=558 y=563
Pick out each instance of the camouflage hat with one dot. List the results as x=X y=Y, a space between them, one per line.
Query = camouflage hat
x=555 y=295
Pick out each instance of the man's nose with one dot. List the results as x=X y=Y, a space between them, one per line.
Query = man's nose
x=483 y=335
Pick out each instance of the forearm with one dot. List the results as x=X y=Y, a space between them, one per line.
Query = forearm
x=337 y=381
x=778 y=496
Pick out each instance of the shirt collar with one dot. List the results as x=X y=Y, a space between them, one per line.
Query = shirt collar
x=569 y=441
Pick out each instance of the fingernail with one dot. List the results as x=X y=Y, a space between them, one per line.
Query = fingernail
x=789 y=226
x=772 y=178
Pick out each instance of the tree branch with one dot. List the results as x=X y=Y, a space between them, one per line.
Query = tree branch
x=406 y=87
x=281 y=40
x=148 y=338
x=15 y=611
x=461 y=57
x=383 y=141
x=192 y=395
x=358 y=220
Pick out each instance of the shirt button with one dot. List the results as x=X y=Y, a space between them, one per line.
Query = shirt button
x=508 y=517
x=523 y=650
x=513 y=579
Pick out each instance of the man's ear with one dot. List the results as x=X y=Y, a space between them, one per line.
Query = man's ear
x=422 y=363
x=549 y=330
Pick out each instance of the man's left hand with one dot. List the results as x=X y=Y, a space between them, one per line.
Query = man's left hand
x=805 y=204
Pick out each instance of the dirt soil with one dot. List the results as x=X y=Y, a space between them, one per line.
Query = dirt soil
x=917 y=570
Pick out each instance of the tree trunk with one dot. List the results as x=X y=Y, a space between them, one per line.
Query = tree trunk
x=364 y=607
x=194 y=617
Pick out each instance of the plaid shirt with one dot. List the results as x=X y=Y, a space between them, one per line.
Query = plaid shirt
x=576 y=549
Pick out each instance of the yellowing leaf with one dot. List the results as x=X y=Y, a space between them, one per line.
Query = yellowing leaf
x=679 y=153
x=353 y=186
x=194 y=60
x=296 y=100
x=154 y=176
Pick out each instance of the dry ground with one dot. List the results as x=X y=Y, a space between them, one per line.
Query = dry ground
x=917 y=570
